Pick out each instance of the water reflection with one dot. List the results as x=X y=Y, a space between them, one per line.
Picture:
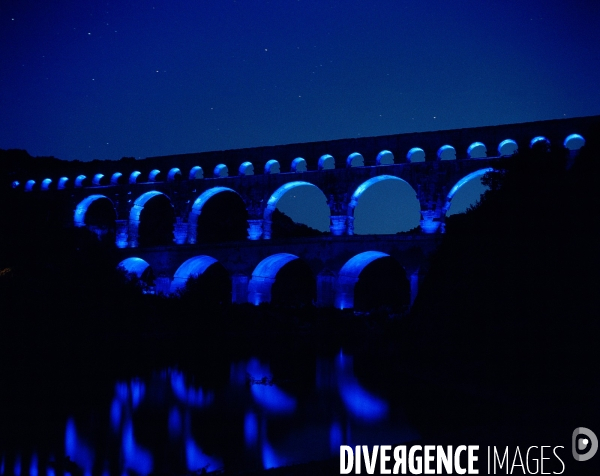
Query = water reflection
x=254 y=418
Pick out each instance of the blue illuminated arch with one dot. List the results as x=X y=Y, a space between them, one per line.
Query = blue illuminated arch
x=133 y=178
x=468 y=201
x=193 y=267
x=136 y=212
x=278 y=195
x=574 y=142
x=154 y=176
x=79 y=181
x=97 y=180
x=62 y=183
x=263 y=277
x=82 y=208
x=133 y=265
x=402 y=216
x=15 y=184
x=46 y=184
x=197 y=209
x=173 y=174
x=196 y=172
x=116 y=178
x=29 y=185
x=349 y=274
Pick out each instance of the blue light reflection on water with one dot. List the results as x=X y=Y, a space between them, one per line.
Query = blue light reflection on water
x=277 y=424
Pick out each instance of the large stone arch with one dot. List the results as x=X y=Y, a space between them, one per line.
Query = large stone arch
x=282 y=278
x=213 y=279
x=372 y=279
x=307 y=206
x=151 y=220
x=222 y=219
x=383 y=205
x=139 y=269
x=97 y=214
x=466 y=192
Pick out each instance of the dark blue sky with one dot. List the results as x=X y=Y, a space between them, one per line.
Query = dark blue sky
x=96 y=79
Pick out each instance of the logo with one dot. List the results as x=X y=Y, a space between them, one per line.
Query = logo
x=584 y=440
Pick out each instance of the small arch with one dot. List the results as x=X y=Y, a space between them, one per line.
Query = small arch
x=98 y=179
x=116 y=178
x=135 y=177
x=29 y=185
x=372 y=279
x=465 y=193
x=46 y=183
x=138 y=268
x=574 y=142
x=540 y=141
x=16 y=184
x=221 y=170
x=295 y=207
x=380 y=214
x=446 y=152
x=154 y=176
x=215 y=278
x=80 y=181
x=151 y=220
x=225 y=222
x=507 y=147
x=282 y=278
x=196 y=173
x=326 y=162
x=355 y=160
x=62 y=183
x=385 y=157
x=477 y=150
x=246 y=168
x=81 y=210
x=416 y=154
x=299 y=165
x=272 y=167
x=174 y=175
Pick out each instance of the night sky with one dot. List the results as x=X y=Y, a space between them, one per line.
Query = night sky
x=102 y=80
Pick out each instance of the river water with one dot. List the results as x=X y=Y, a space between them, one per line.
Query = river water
x=252 y=413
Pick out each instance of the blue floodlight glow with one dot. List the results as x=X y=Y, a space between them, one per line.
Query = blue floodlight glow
x=196 y=173
x=476 y=189
x=193 y=267
x=272 y=167
x=250 y=429
x=122 y=392
x=134 y=265
x=17 y=466
x=349 y=274
x=335 y=437
x=205 y=197
x=477 y=150
x=79 y=181
x=384 y=205
x=246 y=168
x=136 y=458
x=46 y=184
x=29 y=185
x=195 y=397
x=33 y=466
x=97 y=180
x=153 y=175
x=446 y=152
x=62 y=183
x=358 y=401
x=115 y=414
x=173 y=173
x=416 y=154
x=326 y=162
x=272 y=398
x=196 y=459
x=77 y=449
x=537 y=140
x=385 y=157
x=355 y=160
x=298 y=165
x=175 y=423
x=574 y=142
x=221 y=170
x=133 y=178
x=15 y=184
x=83 y=206
x=270 y=459
x=138 y=390
x=263 y=277
x=507 y=147
x=115 y=178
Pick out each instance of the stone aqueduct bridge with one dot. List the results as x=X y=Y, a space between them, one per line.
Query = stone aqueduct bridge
x=433 y=166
